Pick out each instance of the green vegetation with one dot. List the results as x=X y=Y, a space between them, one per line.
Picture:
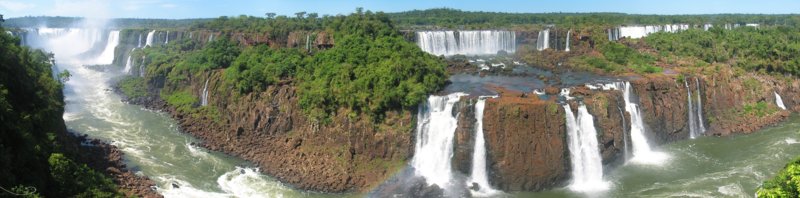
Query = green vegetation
x=764 y=49
x=452 y=18
x=759 y=109
x=785 y=184
x=33 y=160
x=133 y=87
x=371 y=69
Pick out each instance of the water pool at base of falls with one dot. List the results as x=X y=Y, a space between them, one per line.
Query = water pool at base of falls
x=732 y=166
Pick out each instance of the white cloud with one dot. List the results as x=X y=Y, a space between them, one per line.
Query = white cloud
x=16 y=6
x=84 y=8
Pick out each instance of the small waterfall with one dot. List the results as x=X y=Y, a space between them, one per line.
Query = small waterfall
x=167 y=38
x=128 y=64
x=479 y=174
x=211 y=37
x=587 y=166
x=140 y=41
x=642 y=152
x=779 y=101
x=466 y=42
x=436 y=125
x=107 y=57
x=543 y=42
x=141 y=68
x=699 y=107
x=568 y=38
x=204 y=97
x=696 y=127
x=149 y=41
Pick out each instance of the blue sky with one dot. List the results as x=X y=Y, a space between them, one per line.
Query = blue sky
x=206 y=8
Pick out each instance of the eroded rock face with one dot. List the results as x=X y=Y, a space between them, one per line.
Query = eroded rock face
x=664 y=107
x=464 y=136
x=526 y=145
x=270 y=130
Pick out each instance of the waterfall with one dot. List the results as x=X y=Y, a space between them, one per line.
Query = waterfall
x=140 y=41
x=696 y=127
x=107 y=57
x=543 y=42
x=699 y=107
x=149 y=41
x=436 y=125
x=128 y=64
x=568 y=38
x=642 y=31
x=167 y=38
x=587 y=166
x=66 y=42
x=642 y=152
x=141 y=68
x=204 y=97
x=479 y=174
x=779 y=101
x=210 y=37
x=466 y=42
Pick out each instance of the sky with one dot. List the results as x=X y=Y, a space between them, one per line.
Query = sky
x=178 y=9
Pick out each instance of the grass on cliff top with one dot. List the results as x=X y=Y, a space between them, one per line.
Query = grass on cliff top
x=785 y=184
x=183 y=101
x=133 y=87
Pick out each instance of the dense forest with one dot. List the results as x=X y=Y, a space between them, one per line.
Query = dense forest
x=453 y=18
x=371 y=69
x=34 y=160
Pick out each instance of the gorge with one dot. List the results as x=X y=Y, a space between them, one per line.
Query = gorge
x=325 y=111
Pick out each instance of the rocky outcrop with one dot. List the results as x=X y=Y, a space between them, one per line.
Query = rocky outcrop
x=464 y=136
x=525 y=140
x=346 y=153
x=664 y=107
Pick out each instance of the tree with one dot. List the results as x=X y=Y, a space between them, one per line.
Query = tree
x=270 y=15
x=300 y=14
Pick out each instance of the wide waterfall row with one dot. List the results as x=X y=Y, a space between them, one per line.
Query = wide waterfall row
x=587 y=166
x=65 y=42
x=695 y=111
x=436 y=126
x=543 y=41
x=642 y=31
x=779 y=101
x=479 y=175
x=467 y=42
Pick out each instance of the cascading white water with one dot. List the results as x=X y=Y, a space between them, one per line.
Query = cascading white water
x=568 y=38
x=543 y=42
x=107 y=57
x=466 y=42
x=140 y=41
x=779 y=101
x=128 y=64
x=642 y=152
x=479 y=174
x=436 y=125
x=141 y=67
x=642 y=31
x=210 y=37
x=699 y=107
x=587 y=166
x=45 y=37
x=152 y=142
x=204 y=97
x=149 y=41
x=695 y=122
x=166 y=39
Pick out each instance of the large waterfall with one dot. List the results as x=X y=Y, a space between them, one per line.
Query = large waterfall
x=149 y=41
x=642 y=152
x=204 y=97
x=466 y=42
x=639 y=31
x=107 y=57
x=436 y=125
x=479 y=174
x=696 y=127
x=543 y=42
x=79 y=41
x=587 y=166
x=568 y=38
x=779 y=101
